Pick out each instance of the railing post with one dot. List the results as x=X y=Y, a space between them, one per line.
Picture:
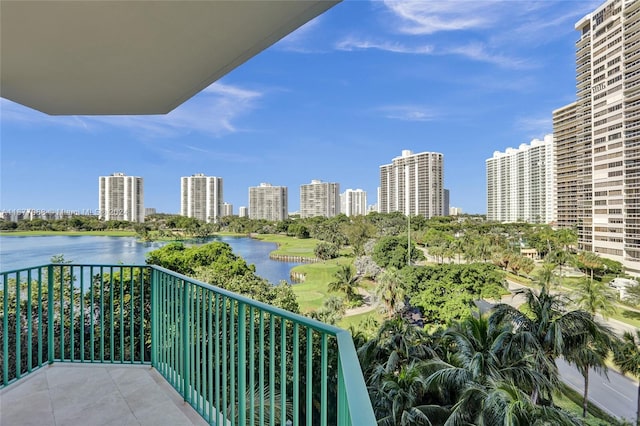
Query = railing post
x=5 y=329
x=185 y=340
x=50 y=309
x=154 y=314
x=343 y=413
x=242 y=368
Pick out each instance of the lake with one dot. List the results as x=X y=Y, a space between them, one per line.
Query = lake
x=22 y=252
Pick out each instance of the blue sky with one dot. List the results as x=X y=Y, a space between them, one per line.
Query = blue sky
x=333 y=101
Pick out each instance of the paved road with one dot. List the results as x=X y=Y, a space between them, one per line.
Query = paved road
x=617 y=395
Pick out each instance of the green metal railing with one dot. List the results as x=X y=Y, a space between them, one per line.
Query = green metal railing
x=234 y=360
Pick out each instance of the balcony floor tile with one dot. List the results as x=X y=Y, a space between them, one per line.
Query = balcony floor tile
x=94 y=394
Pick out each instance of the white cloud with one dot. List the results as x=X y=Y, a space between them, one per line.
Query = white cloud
x=428 y=17
x=408 y=113
x=479 y=52
x=298 y=41
x=16 y=113
x=214 y=111
x=535 y=125
x=351 y=44
x=499 y=25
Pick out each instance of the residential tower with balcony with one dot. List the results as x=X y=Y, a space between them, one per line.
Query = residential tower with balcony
x=413 y=184
x=121 y=197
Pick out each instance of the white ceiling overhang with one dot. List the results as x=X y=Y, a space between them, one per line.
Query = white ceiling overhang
x=133 y=57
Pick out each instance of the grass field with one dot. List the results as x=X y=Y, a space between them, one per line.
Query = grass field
x=313 y=291
x=290 y=246
x=354 y=320
x=627 y=316
x=68 y=233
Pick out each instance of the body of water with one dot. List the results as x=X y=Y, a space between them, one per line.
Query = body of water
x=22 y=252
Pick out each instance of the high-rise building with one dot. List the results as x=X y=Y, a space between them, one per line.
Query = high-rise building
x=353 y=202
x=227 y=209
x=121 y=197
x=201 y=197
x=521 y=183
x=568 y=160
x=243 y=211
x=413 y=184
x=445 y=203
x=598 y=136
x=268 y=202
x=319 y=199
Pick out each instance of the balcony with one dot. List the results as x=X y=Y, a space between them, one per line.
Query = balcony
x=163 y=341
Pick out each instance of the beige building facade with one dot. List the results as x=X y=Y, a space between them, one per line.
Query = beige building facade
x=268 y=202
x=598 y=136
x=319 y=199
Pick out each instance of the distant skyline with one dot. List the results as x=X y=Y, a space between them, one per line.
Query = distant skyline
x=333 y=101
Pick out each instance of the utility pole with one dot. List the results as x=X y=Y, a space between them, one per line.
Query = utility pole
x=408 y=239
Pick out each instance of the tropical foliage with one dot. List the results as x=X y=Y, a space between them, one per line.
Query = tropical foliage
x=495 y=369
x=448 y=292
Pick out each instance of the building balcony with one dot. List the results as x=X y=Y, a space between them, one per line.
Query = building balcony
x=126 y=344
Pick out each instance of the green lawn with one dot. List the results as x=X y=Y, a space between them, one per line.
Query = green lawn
x=313 y=291
x=112 y=233
x=290 y=246
x=354 y=320
x=627 y=316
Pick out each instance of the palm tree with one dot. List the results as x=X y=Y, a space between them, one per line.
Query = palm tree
x=591 y=355
x=506 y=404
x=396 y=343
x=345 y=281
x=626 y=355
x=559 y=257
x=331 y=311
x=595 y=297
x=400 y=396
x=486 y=364
x=390 y=291
x=556 y=331
x=546 y=276
x=588 y=261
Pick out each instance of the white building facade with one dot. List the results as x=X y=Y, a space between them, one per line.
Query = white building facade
x=268 y=202
x=319 y=199
x=353 y=202
x=121 y=197
x=413 y=184
x=201 y=197
x=521 y=183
